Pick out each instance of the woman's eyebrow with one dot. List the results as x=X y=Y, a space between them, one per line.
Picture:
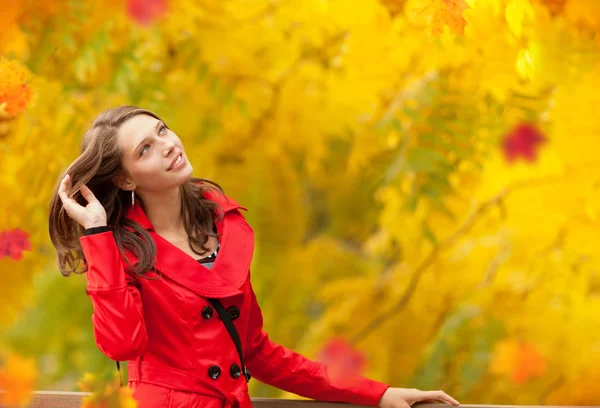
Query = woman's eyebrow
x=144 y=140
x=156 y=128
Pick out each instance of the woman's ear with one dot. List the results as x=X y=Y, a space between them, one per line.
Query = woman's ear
x=123 y=182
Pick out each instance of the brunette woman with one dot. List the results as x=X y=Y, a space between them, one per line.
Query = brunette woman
x=167 y=260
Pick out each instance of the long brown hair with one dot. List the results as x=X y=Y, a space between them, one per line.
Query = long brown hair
x=98 y=164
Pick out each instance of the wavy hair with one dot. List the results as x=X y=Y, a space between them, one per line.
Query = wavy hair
x=97 y=165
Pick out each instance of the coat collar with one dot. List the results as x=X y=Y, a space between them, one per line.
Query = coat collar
x=231 y=268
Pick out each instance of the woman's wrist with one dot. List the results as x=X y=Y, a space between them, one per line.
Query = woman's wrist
x=95 y=224
x=96 y=230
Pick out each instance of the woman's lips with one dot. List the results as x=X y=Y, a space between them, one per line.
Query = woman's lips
x=177 y=163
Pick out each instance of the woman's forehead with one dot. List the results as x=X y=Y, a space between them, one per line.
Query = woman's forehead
x=134 y=130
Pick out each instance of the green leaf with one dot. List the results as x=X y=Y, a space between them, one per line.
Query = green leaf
x=242 y=107
x=214 y=85
x=397 y=125
x=431 y=192
x=202 y=72
x=429 y=233
x=423 y=160
x=413 y=114
x=443 y=348
x=69 y=43
x=443 y=209
x=440 y=142
x=476 y=365
x=227 y=96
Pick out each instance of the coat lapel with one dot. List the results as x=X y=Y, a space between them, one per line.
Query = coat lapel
x=231 y=268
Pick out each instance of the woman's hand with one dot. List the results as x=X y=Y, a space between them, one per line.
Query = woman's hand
x=92 y=215
x=406 y=397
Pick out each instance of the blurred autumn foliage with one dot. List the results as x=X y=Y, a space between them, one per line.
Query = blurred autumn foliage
x=422 y=178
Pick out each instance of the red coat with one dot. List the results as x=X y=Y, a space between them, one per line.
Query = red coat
x=172 y=338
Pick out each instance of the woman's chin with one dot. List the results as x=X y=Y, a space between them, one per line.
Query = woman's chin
x=189 y=170
x=178 y=177
x=186 y=173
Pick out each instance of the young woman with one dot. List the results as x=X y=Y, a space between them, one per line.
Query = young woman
x=167 y=258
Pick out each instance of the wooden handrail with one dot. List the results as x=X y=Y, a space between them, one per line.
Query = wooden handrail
x=62 y=399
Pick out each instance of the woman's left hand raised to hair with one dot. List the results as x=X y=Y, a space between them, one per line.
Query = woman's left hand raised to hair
x=406 y=397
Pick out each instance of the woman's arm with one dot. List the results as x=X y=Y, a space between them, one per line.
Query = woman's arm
x=282 y=368
x=118 y=319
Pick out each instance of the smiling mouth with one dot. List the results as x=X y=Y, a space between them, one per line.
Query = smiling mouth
x=176 y=162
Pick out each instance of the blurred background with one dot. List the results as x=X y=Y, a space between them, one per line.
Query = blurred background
x=422 y=177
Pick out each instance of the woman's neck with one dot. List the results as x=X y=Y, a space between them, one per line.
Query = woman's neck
x=163 y=209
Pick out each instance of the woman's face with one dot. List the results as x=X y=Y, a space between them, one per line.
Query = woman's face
x=152 y=155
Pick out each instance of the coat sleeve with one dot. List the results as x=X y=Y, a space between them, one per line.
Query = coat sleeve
x=118 y=319
x=282 y=368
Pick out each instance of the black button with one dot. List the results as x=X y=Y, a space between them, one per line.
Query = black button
x=234 y=312
x=207 y=312
x=235 y=371
x=214 y=372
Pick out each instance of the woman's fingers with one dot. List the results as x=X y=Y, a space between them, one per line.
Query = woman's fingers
x=67 y=201
x=87 y=194
x=62 y=189
x=440 y=396
x=71 y=206
x=93 y=214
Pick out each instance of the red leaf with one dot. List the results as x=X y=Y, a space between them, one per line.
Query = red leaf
x=518 y=361
x=13 y=243
x=144 y=12
x=344 y=362
x=524 y=142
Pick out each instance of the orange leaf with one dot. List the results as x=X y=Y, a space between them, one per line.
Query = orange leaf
x=10 y=13
x=554 y=6
x=437 y=14
x=393 y=6
x=17 y=378
x=519 y=361
x=15 y=92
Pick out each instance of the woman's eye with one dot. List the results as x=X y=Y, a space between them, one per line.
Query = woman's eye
x=160 y=131
x=144 y=149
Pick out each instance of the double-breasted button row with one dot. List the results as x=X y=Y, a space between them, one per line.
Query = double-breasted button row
x=233 y=311
x=214 y=371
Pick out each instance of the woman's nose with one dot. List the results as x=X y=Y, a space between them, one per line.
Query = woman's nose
x=169 y=146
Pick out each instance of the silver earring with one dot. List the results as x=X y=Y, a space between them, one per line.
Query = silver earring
x=132 y=198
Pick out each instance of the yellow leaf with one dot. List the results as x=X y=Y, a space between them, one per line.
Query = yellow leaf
x=516 y=12
x=105 y=393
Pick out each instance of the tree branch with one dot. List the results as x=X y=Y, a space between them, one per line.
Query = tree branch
x=258 y=125
x=432 y=256
x=553 y=386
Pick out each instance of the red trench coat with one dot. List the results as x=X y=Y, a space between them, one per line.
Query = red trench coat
x=172 y=339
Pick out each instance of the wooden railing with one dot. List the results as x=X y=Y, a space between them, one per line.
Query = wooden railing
x=60 y=399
